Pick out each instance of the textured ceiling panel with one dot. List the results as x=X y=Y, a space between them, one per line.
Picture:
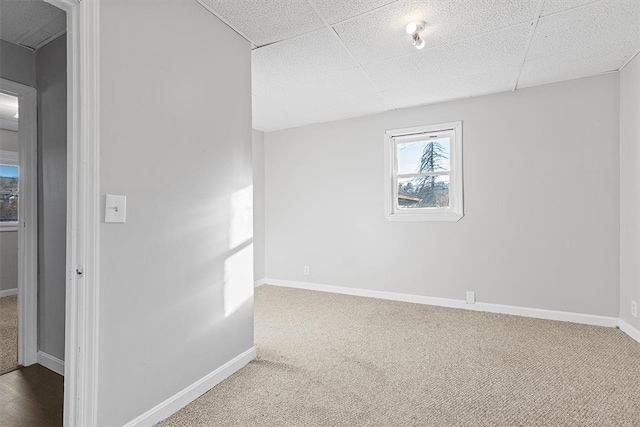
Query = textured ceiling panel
x=602 y=26
x=447 y=88
x=566 y=67
x=268 y=118
x=304 y=58
x=345 y=109
x=35 y=39
x=21 y=17
x=381 y=35
x=335 y=11
x=267 y=21
x=322 y=91
x=555 y=6
x=498 y=49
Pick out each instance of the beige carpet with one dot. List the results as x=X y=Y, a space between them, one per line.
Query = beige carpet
x=335 y=360
x=8 y=333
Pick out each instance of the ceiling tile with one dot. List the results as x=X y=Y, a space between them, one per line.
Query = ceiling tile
x=56 y=26
x=19 y=17
x=562 y=67
x=275 y=119
x=345 y=109
x=335 y=11
x=498 y=49
x=448 y=88
x=267 y=21
x=610 y=25
x=35 y=39
x=381 y=35
x=555 y=6
x=324 y=91
x=307 y=57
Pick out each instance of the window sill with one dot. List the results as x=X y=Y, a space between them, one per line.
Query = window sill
x=451 y=217
x=4 y=228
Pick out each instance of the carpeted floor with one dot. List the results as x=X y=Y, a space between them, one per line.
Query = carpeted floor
x=336 y=360
x=8 y=333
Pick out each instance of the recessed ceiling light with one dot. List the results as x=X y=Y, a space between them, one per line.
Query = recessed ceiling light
x=415 y=28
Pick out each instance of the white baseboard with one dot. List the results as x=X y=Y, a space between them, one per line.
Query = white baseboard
x=629 y=330
x=8 y=292
x=192 y=392
x=538 y=313
x=51 y=362
x=260 y=282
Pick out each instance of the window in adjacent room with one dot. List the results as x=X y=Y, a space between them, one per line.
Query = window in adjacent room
x=423 y=176
x=9 y=189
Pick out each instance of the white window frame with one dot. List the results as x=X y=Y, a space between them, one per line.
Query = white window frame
x=10 y=158
x=455 y=211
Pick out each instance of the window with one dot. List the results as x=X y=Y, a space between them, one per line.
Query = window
x=423 y=174
x=9 y=188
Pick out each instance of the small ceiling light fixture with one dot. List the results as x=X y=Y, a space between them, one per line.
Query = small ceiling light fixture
x=414 y=29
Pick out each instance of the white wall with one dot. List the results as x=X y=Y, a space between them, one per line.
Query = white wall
x=8 y=239
x=51 y=84
x=17 y=63
x=258 y=204
x=541 y=203
x=630 y=190
x=9 y=140
x=176 y=282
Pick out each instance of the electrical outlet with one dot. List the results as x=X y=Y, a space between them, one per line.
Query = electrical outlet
x=634 y=308
x=471 y=297
x=306 y=270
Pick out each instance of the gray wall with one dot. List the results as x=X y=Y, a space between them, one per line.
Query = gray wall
x=630 y=190
x=9 y=140
x=541 y=203
x=17 y=64
x=176 y=282
x=8 y=239
x=258 y=204
x=8 y=260
x=51 y=65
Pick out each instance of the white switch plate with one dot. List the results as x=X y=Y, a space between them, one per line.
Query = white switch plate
x=115 y=208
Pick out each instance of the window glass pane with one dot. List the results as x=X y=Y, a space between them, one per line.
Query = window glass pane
x=423 y=156
x=8 y=193
x=423 y=192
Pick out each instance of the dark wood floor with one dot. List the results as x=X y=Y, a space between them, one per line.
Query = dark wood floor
x=31 y=396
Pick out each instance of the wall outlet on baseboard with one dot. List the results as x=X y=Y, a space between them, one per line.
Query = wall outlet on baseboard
x=306 y=270
x=471 y=297
x=634 y=308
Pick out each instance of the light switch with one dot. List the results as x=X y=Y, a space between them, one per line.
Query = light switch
x=115 y=209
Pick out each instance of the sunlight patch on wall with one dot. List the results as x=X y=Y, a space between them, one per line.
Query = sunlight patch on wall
x=241 y=224
x=238 y=279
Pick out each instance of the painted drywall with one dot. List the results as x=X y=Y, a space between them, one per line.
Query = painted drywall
x=51 y=66
x=9 y=140
x=258 y=205
x=8 y=260
x=176 y=280
x=8 y=239
x=17 y=63
x=630 y=190
x=540 y=191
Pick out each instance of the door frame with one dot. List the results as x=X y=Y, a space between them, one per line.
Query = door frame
x=83 y=218
x=27 y=220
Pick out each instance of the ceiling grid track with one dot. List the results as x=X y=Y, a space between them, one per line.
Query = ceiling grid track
x=344 y=46
x=532 y=31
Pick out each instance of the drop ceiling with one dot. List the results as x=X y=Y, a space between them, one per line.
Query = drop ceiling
x=322 y=60
x=30 y=23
